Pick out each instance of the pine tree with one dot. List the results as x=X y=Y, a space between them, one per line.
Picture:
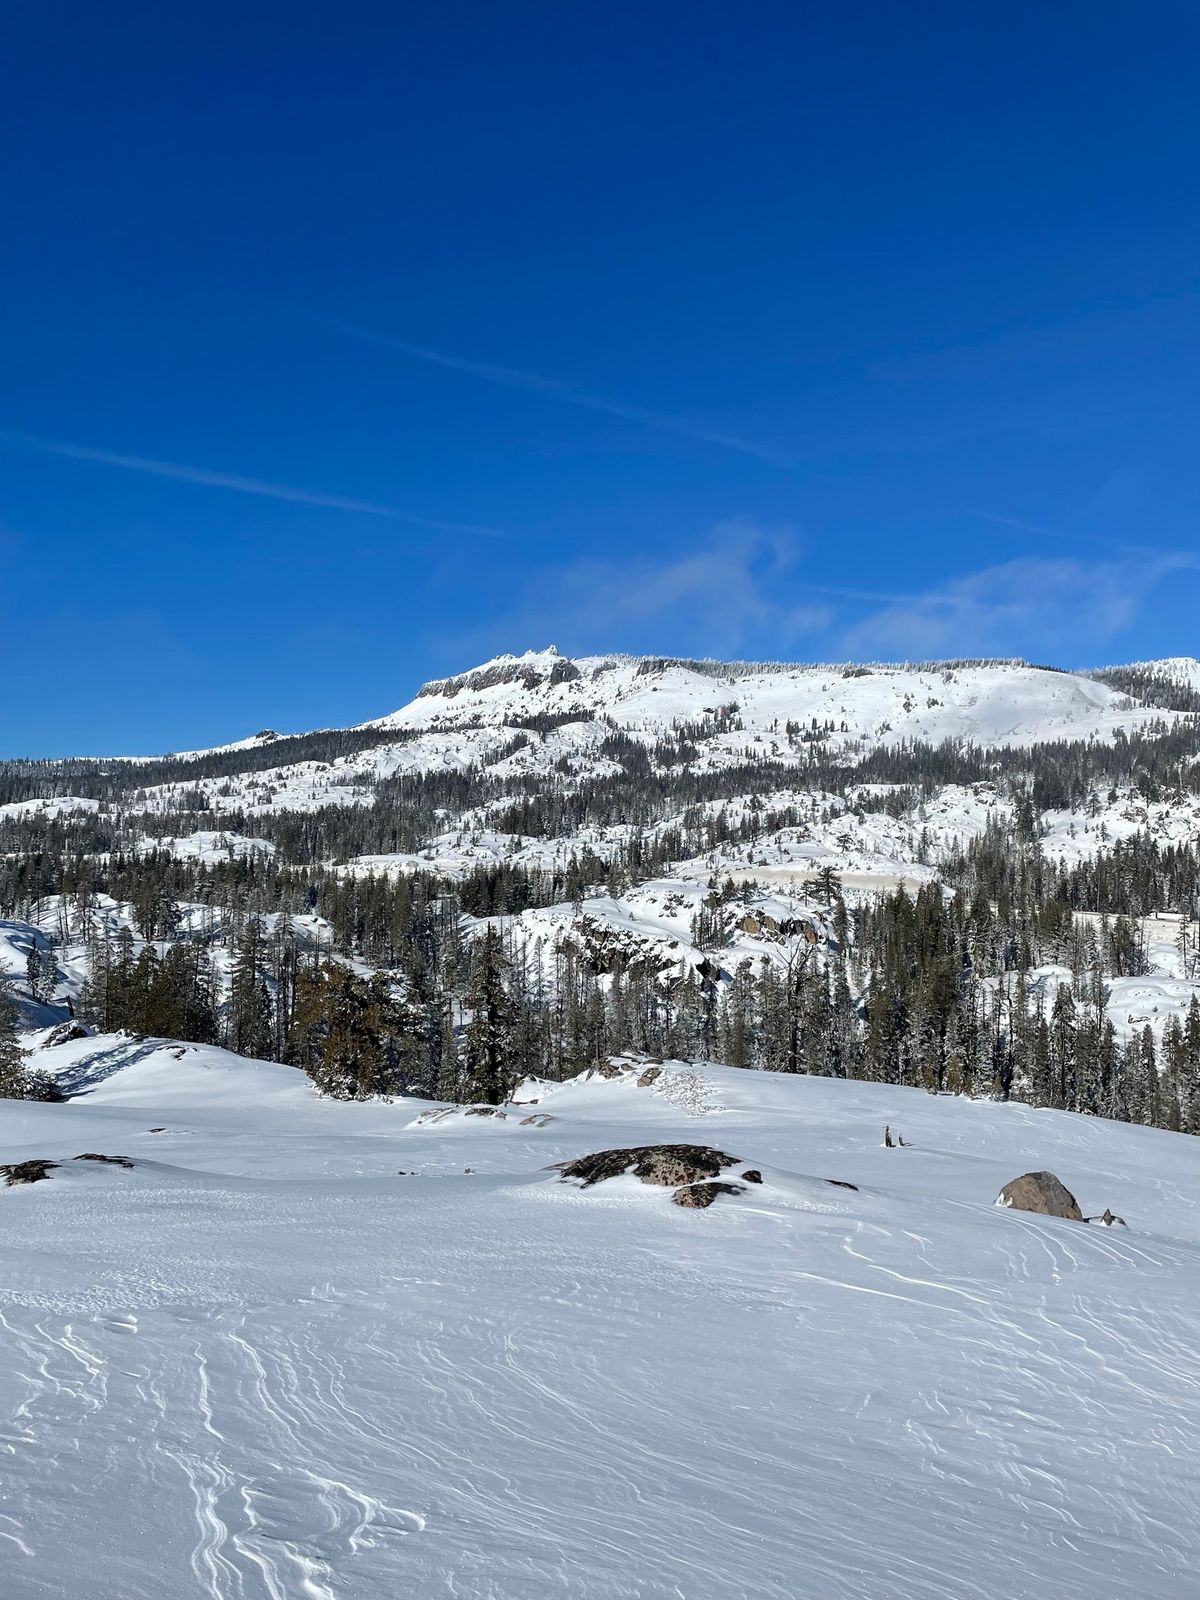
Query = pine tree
x=17 y=1081
x=251 y=1020
x=487 y=1037
x=13 y=1079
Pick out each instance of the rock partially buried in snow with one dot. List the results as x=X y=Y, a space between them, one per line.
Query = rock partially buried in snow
x=1041 y=1192
x=1108 y=1220
x=65 y=1033
x=667 y=1165
x=651 y=1075
x=26 y=1172
x=698 y=1196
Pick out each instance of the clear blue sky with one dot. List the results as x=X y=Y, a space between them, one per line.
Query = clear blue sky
x=769 y=330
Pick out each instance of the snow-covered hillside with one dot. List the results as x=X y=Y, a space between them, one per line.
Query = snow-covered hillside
x=541 y=712
x=308 y=1349
x=996 y=703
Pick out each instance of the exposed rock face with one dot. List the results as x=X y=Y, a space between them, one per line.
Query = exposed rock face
x=26 y=1172
x=665 y=1164
x=528 y=674
x=1041 y=1192
x=697 y=1196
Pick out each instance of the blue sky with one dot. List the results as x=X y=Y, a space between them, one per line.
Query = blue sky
x=348 y=345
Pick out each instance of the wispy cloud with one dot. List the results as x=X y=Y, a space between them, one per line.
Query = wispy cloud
x=240 y=485
x=1028 y=606
x=727 y=595
x=555 y=389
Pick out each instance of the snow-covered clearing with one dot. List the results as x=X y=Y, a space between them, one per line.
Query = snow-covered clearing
x=263 y=1364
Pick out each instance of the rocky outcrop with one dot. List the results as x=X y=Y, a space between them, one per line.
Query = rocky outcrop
x=26 y=1172
x=112 y=1161
x=66 y=1033
x=667 y=1165
x=1042 y=1193
x=528 y=674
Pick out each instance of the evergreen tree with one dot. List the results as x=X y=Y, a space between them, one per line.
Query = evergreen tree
x=487 y=1038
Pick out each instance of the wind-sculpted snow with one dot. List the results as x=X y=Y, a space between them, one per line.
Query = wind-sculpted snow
x=262 y=1365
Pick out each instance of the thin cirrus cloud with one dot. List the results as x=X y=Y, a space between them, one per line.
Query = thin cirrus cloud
x=1029 y=605
x=210 y=479
x=555 y=389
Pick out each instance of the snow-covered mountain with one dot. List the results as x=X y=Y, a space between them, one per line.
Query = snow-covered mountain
x=986 y=703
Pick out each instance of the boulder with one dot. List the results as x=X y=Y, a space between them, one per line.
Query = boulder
x=651 y=1075
x=698 y=1196
x=540 y=1119
x=65 y=1032
x=1041 y=1192
x=26 y=1172
x=668 y=1165
x=485 y=1111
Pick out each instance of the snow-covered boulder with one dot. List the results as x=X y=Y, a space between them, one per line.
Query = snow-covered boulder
x=667 y=1165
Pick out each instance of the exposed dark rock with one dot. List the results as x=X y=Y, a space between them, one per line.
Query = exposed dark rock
x=65 y=1032
x=838 y=1183
x=651 y=1075
x=26 y=1172
x=113 y=1161
x=698 y=1196
x=1108 y=1219
x=516 y=671
x=1041 y=1192
x=665 y=1164
x=156 y=1130
x=751 y=1175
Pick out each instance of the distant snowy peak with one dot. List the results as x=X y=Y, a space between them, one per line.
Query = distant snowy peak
x=533 y=670
x=986 y=702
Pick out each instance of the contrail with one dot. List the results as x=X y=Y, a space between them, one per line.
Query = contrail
x=534 y=383
x=230 y=480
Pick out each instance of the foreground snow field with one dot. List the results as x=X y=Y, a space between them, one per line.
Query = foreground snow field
x=262 y=1364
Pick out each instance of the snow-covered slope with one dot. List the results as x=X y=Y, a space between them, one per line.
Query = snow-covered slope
x=1000 y=703
x=310 y=1351
x=541 y=714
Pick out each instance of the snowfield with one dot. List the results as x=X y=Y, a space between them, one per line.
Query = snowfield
x=315 y=1351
